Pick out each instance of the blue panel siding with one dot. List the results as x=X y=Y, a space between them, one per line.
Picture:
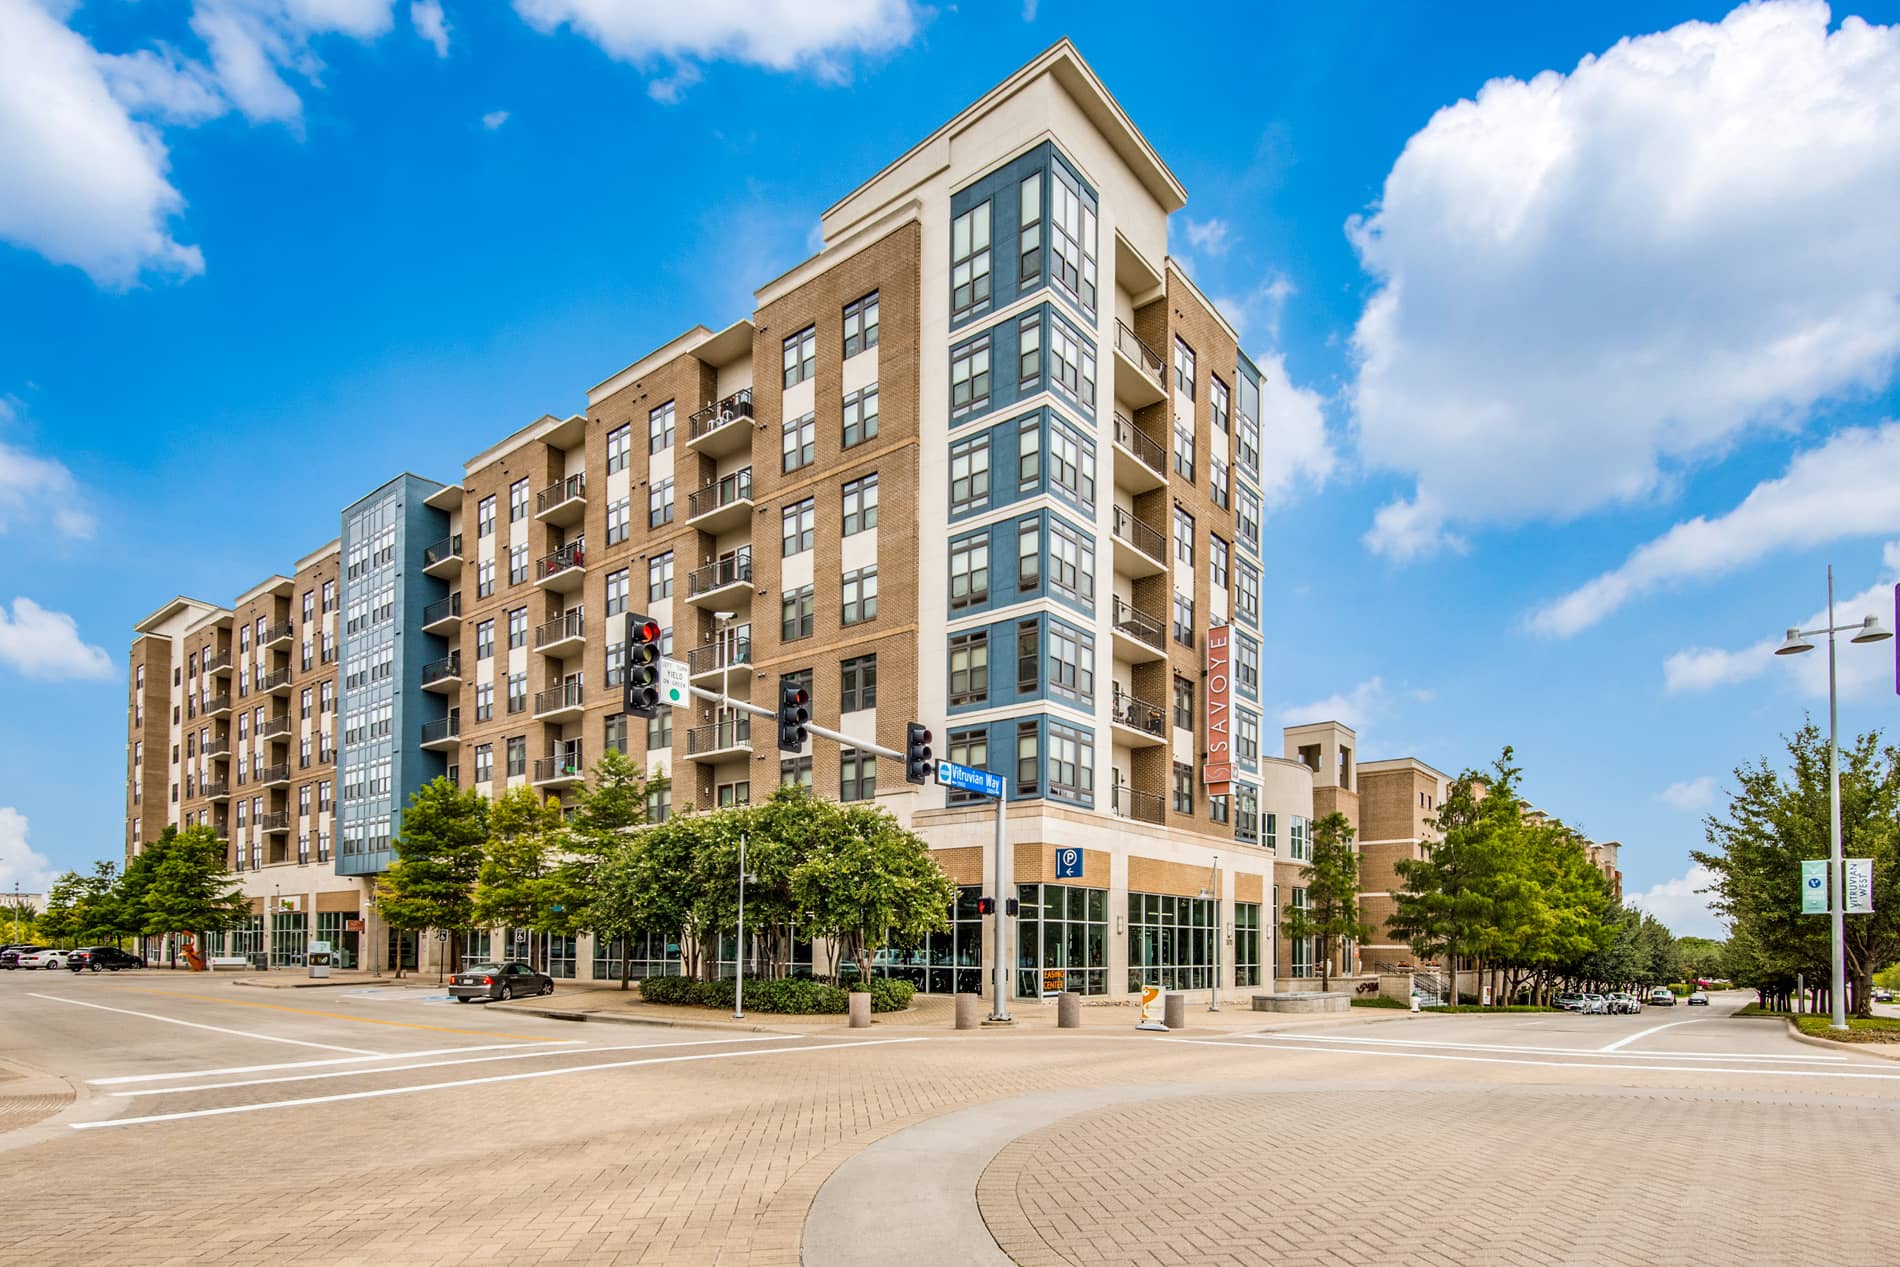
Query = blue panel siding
x=1006 y=588
x=1006 y=484
x=1002 y=187
x=1007 y=384
x=1005 y=686
x=1002 y=742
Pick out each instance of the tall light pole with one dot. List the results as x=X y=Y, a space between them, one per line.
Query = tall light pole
x=1213 y=891
x=1868 y=630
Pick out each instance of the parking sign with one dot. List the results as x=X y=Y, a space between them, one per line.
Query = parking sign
x=1068 y=864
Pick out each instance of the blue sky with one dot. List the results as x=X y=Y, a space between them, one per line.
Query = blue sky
x=1584 y=350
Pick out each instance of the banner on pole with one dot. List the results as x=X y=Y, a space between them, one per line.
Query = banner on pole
x=1814 y=887
x=1860 y=886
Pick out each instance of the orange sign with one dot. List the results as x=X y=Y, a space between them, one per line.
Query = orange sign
x=1217 y=772
x=1054 y=980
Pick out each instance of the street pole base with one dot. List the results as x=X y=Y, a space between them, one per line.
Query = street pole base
x=1153 y=1027
x=993 y=1021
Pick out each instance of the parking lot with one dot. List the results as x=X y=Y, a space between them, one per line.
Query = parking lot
x=383 y=1123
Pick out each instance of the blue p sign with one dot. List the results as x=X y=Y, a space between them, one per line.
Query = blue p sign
x=1068 y=864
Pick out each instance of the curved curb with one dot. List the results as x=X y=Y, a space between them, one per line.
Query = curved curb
x=1836 y=1045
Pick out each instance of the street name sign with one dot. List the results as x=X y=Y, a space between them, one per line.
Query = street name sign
x=968 y=779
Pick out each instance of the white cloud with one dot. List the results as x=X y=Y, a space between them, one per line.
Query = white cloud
x=780 y=35
x=46 y=644
x=1210 y=236
x=494 y=119
x=1860 y=668
x=255 y=43
x=19 y=862
x=1589 y=280
x=1357 y=707
x=1683 y=904
x=1295 y=449
x=1689 y=795
x=426 y=16
x=1845 y=488
x=33 y=489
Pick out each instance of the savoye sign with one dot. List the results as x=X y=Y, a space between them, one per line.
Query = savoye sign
x=1217 y=772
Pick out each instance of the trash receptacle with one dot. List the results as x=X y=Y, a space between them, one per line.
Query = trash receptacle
x=318 y=958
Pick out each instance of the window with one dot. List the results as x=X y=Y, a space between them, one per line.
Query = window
x=1029 y=352
x=329 y=596
x=1072 y=362
x=1296 y=838
x=970 y=376
x=518 y=692
x=1247 y=600
x=800 y=442
x=1218 y=481
x=485 y=517
x=730 y=795
x=1184 y=447
x=971 y=748
x=484 y=701
x=660 y=577
x=484 y=763
x=1183 y=368
x=857 y=775
x=860 y=325
x=484 y=580
x=860 y=504
x=660 y=428
x=619 y=448
x=857 y=680
x=1071 y=562
x=795 y=772
x=1184 y=703
x=1071 y=665
x=517 y=628
x=969 y=571
x=970 y=474
x=1246 y=940
x=1029 y=240
x=1028 y=759
x=1246 y=813
x=1217 y=561
x=1247 y=737
x=518 y=501
x=801 y=356
x=860 y=596
x=1184 y=620
x=1247 y=665
x=1028 y=657
x=798 y=522
x=1028 y=555
x=795 y=614
x=517 y=755
x=1183 y=788
x=860 y=415
x=970 y=668
x=1171 y=941
x=1218 y=402
x=485 y=640
x=1183 y=537
x=1249 y=444
x=617 y=586
x=1269 y=830
x=1029 y=454
x=1249 y=518
x=1071 y=763
x=660 y=731
x=970 y=262
x=1072 y=464
x=659 y=504
x=1072 y=240
x=659 y=804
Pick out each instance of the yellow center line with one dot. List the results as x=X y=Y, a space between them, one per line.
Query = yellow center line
x=337 y=1016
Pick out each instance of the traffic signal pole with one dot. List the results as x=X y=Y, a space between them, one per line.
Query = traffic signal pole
x=759 y=710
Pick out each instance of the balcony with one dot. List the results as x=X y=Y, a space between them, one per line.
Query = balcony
x=565 y=767
x=1141 y=376
x=563 y=571
x=1137 y=722
x=274 y=824
x=218 y=705
x=216 y=789
x=727 y=737
x=561 y=703
x=1143 y=807
x=562 y=636
x=277 y=775
x=722 y=505
x=562 y=502
x=718 y=658
x=443 y=616
x=727 y=581
x=218 y=746
x=1139 y=549
x=1139 y=637
x=444 y=675
x=1141 y=463
x=274 y=727
x=444 y=733
x=276 y=682
x=444 y=558
x=282 y=631
x=722 y=428
x=219 y=663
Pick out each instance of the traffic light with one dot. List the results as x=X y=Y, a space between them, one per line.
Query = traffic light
x=918 y=766
x=1009 y=906
x=640 y=676
x=986 y=906
x=794 y=710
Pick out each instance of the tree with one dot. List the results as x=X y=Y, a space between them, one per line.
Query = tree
x=438 y=855
x=868 y=883
x=101 y=912
x=59 y=922
x=1331 y=913
x=611 y=806
x=184 y=886
x=512 y=888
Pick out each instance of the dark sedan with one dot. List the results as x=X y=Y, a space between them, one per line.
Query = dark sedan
x=102 y=958
x=512 y=979
x=10 y=955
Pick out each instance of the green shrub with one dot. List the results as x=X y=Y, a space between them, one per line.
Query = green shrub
x=1378 y=1000
x=795 y=997
x=890 y=996
x=667 y=989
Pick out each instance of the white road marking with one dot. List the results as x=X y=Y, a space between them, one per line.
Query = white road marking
x=476 y=1082
x=1645 y=1033
x=216 y=1029
x=1542 y=1051
x=122 y=1079
x=1589 y=1062
x=436 y=1064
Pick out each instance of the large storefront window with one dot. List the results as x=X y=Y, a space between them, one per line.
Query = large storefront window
x=1246 y=943
x=474 y=946
x=289 y=938
x=949 y=962
x=402 y=948
x=1061 y=940
x=561 y=953
x=345 y=947
x=1170 y=942
x=654 y=955
x=246 y=939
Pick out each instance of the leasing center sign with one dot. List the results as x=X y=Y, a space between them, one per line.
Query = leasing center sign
x=1217 y=772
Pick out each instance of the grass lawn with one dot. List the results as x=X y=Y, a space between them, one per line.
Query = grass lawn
x=1871 y=1029
x=1456 y=1007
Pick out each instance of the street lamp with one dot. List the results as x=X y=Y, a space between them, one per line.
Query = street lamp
x=738 y=978
x=1213 y=891
x=1868 y=630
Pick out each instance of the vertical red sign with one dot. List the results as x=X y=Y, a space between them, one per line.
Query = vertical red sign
x=1217 y=772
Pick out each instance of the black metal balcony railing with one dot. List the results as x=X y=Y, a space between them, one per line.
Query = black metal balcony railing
x=442 y=728
x=218 y=663
x=738 y=405
x=567 y=490
x=726 y=491
x=1137 y=714
x=564 y=764
x=218 y=703
x=1129 y=344
x=1138 y=534
x=566 y=695
x=217 y=788
x=274 y=679
x=218 y=746
x=731 y=570
x=731 y=732
x=1140 y=626
x=449 y=666
x=1143 y=807
x=278 y=773
x=719 y=655
x=440 y=609
x=570 y=624
x=274 y=727
x=280 y=821
x=282 y=631
x=448 y=548
x=1147 y=451
x=571 y=555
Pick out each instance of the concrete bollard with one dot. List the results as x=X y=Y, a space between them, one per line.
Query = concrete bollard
x=860 y=1009
x=1174 y=1010
x=969 y=1011
x=1068 y=1010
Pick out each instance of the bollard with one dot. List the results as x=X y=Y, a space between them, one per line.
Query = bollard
x=1174 y=1010
x=860 y=1009
x=969 y=1011
x=1068 y=1010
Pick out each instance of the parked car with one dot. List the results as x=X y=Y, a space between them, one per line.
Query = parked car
x=100 y=958
x=505 y=980
x=43 y=959
x=1573 y=1002
x=1662 y=996
x=1881 y=993
x=1697 y=998
x=10 y=955
x=1624 y=1004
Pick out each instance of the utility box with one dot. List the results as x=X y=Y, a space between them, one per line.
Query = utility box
x=318 y=957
